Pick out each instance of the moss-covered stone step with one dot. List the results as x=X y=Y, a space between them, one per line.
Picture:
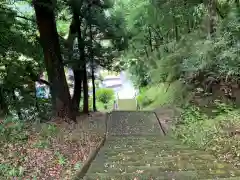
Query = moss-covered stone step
x=145 y=154
x=167 y=175
x=185 y=153
x=135 y=123
x=115 y=167
x=231 y=178
x=156 y=163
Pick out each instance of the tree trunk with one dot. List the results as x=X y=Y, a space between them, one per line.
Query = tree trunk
x=94 y=90
x=150 y=39
x=237 y=3
x=77 y=72
x=176 y=29
x=85 y=91
x=3 y=103
x=61 y=100
x=211 y=7
x=81 y=47
x=77 y=89
x=92 y=69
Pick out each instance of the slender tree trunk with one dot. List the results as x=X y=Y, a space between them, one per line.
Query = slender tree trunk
x=61 y=100
x=77 y=72
x=237 y=3
x=92 y=66
x=94 y=90
x=211 y=15
x=176 y=29
x=85 y=91
x=150 y=39
x=3 y=103
x=188 y=17
x=146 y=52
x=77 y=89
x=81 y=47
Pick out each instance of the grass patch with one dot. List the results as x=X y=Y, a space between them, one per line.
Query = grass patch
x=162 y=94
x=219 y=134
x=100 y=106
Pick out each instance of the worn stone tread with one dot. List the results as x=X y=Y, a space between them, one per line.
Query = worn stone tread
x=143 y=155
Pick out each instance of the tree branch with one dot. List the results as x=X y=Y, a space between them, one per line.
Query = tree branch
x=42 y=81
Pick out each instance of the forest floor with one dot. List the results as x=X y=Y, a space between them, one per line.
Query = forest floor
x=54 y=150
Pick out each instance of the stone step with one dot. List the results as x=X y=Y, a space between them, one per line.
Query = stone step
x=230 y=178
x=158 y=175
x=137 y=153
x=166 y=166
x=112 y=167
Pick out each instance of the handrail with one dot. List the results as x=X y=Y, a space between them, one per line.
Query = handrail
x=159 y=122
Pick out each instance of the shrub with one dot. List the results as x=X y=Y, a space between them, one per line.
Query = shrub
x=13 y=130
x=216 y=134
x=163 y=94
x=105 y=95
x=143 y=100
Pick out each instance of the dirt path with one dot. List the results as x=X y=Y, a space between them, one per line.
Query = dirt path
x=136 y=149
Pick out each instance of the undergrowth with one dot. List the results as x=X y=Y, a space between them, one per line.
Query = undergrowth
x=218 y=134
x=53 y=150
x=162 y=94
x=15 y=136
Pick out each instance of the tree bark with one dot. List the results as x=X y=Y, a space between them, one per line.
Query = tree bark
x=176 y=29
x=85 y=91
x=61 y=100
x=77 y=89
x=150 y=39
x=77 y=71
x=92 y=69
x=211 y=7
x=94 y=90
x=81 y=47
x=3 y=103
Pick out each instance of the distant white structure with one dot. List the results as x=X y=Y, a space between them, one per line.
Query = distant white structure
x=122 y=86
x=127 y=91
x=110 y=81
x=113 y=82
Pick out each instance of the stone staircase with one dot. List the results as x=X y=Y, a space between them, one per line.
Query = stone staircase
x=136 y=149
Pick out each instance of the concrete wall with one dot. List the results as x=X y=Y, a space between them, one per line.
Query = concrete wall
x=127 y=104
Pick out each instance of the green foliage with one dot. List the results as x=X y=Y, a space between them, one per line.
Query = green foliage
x=48 y=130
x=170 y=41
x=9 y=171
x=42 y=144
x=21 y=61
x=105 y=95
x=163 y=94
x=13 y=130
x=191 y=114
x=143 y=100
x=22 y=58
x=60 y=158
x=217 y=134
x=77 y=166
